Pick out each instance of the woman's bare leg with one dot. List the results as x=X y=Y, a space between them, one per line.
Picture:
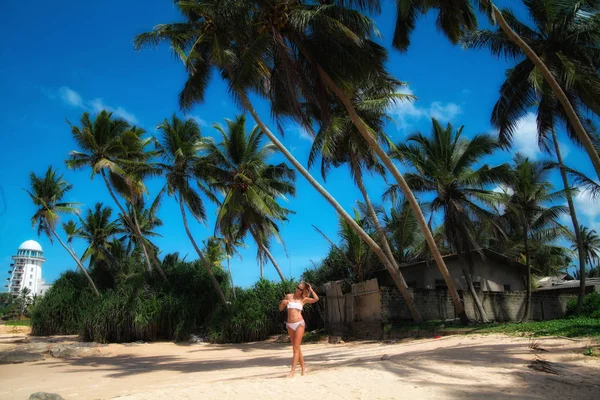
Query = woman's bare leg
x=297 y=343
x=292 y=335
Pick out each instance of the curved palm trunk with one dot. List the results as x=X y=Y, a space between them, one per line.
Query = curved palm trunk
x=469 y=279
x=206 y=264
x=136 y=229
x=408 y=194
x=260 y=244
x=364 y=235
x=231 y=279
x=573 y=213
x=554 y=85
x=386 y=248
x=72 y=254
x=527 y=312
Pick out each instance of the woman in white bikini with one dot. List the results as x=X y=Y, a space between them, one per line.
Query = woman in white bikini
x=295 y=323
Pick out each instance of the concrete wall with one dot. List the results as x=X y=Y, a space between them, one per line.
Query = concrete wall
x=502 y=307
x=491 y=273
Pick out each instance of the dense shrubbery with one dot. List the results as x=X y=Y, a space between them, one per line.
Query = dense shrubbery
x=141 y=306
x=254 y=315
x=591 y=306
x=60 y=311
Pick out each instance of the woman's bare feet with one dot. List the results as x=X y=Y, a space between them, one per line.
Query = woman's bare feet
x=291 y=374
x=304 y=371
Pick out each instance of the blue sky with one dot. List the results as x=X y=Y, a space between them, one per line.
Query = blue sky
x=61 y=59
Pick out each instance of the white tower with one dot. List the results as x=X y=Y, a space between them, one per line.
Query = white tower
x=26 y=270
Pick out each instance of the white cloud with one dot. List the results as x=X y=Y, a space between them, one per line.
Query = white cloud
x=70 y=97
x=407 y=113
x=444 y=112
x=586 y=205
x=525 y=137
x=98 y=105
x=74 y=99
x=199 y=121
x=503 y=189
x=565 y=149
x=299 y=131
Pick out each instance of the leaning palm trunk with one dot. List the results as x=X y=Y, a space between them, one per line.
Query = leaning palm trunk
x=386 y=247
x=573 y=213
x=366 y=133
x=469 y=279
x=527 y=312
x=133 y=225
x=260 y=244
x=200 y=254
x=398 y=279
x=231 y=279
x=72 y=254
x=554 y=85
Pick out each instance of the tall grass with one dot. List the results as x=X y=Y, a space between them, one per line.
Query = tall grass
x=140 y=307
x=255 y=315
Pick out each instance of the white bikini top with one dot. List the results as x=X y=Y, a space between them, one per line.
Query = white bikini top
x=295 y=305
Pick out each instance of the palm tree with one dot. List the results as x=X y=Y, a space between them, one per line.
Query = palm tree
x=147 y=220
x=111 y=144
x=339 y=143
x=591 y=245
x=445 y=165
x=250 y=186
x=179 y=147
x=98 y=230
x=526 y=210
x=565 y=41
x=573 y=19
x=47 y=192
x=244 y=45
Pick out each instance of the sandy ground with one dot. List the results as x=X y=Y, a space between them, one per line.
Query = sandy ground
x=454 y=367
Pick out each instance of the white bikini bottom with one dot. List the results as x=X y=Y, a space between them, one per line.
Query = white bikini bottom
x=294 y=325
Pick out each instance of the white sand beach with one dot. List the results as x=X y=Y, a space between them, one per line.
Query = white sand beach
x=454 y=367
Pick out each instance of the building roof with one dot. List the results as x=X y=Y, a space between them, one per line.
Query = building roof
x=570 y=284
x=30 y=245
x=486 y=253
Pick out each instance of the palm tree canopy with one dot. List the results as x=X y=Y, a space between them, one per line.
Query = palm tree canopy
x=591 y=245
x=273 y=48
x=454 y=19
x=111 y=144
x=566 y=37
x=98 y=230
x=180 y=146
x=339 y=141
x=445 y=164
x=47 y=192
x=250 y=185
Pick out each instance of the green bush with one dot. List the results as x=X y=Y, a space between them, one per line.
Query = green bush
x=60 y=310
x=255 y=314
x=591 y=306
x=142 y=306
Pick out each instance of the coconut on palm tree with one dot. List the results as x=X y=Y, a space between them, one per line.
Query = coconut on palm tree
x=250 y=185
x=114 y=149
x=247 y=45
x=179 y=147
x=528 y=208
x=446 y=164
x=47 y=193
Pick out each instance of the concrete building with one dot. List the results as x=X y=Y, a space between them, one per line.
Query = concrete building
x=26 y=270
x=493 y=273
